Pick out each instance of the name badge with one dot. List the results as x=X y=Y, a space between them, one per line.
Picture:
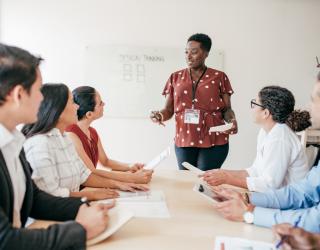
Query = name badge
x=192 y=116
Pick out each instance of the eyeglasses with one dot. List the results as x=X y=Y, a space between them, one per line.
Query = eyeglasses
x=254 y=103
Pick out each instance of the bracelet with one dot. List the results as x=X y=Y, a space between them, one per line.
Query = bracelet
x=161 y=116
x=246 y=199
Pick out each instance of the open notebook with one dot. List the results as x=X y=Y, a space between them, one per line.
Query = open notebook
x=118 y=217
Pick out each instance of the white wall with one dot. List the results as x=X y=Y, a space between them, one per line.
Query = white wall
x=264 y=41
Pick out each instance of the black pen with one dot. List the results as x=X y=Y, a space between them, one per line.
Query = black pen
x=85 y=201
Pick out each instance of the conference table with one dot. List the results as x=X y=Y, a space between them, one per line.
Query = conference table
x=193 y=223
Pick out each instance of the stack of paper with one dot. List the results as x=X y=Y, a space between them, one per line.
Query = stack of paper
x=221 y=128
x=156 y=161
x=151 y=204
x=231 y=243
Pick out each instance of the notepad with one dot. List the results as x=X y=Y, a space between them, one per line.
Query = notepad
x=118 y=217
x=221 y=128
x=156 y=161
x=192 y=168
x=232 y=243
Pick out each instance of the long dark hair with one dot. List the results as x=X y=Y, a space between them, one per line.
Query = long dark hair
x=280 y=102
x=55 y=98
x=85 y=97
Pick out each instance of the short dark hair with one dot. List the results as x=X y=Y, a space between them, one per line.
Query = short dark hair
x=84 y=96
x=55 y=98
x=17 y=67
x=203 y=39
x=280 y=103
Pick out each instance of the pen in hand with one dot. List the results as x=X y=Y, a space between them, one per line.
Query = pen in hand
x=284 y=238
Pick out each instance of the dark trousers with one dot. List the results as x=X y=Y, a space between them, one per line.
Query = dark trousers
x=203 y=158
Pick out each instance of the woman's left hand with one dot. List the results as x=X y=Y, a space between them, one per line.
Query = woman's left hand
x=234 y=128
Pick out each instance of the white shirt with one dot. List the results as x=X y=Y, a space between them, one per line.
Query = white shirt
x=280 y=160
x=57 y=168
x=11 y=146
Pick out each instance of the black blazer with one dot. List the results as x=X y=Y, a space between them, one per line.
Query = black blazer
x=39 y=205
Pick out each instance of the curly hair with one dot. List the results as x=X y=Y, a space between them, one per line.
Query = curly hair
x=280 y=103
x=203 y=39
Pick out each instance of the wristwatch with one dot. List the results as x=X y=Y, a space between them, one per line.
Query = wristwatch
x=248 y=217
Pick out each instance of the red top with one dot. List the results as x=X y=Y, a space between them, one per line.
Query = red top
x=90 y=145
x=208 y=99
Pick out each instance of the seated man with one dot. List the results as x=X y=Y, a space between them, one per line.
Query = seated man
x=298 y=200
x=20 y=97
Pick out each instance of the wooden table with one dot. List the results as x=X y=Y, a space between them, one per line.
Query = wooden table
x=194 y=224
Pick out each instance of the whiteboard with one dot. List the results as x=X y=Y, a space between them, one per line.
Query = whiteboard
x=131 y=79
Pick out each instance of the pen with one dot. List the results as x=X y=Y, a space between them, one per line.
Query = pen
x=283 y=238
x=85 y=201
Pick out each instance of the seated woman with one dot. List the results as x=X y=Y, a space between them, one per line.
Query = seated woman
x=280 y=158
x=57 y=168
x=88 y=143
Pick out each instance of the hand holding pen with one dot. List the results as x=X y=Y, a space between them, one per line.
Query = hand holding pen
x=284 y=237
x=157 y=117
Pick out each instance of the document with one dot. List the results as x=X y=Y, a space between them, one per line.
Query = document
x=192 y=168
x=151 y=204
x=118 y=217
x=221 y=128
x=232 y=243
x=156 y=161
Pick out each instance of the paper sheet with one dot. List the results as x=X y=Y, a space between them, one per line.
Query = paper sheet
x=232 y=243
x=221 y=128
x=192 y=168
x=156 y=161
x=118 y=217
x=150 y=205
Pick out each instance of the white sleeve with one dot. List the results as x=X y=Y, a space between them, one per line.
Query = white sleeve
x=275 y=162
x=252 y=170
x=44 y=168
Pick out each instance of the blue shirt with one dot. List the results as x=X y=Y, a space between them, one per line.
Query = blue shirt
x=290 y=202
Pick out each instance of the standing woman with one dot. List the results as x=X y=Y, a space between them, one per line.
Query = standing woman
x=199 y=97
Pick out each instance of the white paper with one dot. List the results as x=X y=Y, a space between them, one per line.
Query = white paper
x=123 y=194
x=221 y=128
x=150 y=205
x=232 y=243
x=192 y=168
x=118 y=217
x=156 y=161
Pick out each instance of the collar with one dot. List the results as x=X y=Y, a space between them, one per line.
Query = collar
x=56 y=133
x=7 y=137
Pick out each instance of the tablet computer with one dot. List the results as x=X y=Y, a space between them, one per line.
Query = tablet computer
x=206 y=192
